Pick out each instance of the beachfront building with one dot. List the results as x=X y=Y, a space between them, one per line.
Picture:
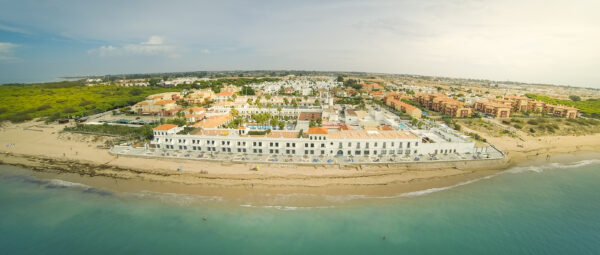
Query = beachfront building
x=403 y=107
x=496 y=110
x=167 y=107
x=452 y=107
x=445 y=105
x=562 y=111
x=317 y=141
x=523 y=104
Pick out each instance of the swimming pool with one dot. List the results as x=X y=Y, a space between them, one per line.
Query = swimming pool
x=402 y=126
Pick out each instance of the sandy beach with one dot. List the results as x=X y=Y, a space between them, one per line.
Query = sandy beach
x=48 y=151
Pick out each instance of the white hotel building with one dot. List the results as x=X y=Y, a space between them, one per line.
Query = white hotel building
x=317 y=141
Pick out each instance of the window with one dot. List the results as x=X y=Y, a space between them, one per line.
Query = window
x=400 y=145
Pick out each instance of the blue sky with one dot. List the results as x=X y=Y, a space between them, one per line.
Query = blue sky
x=531 y=41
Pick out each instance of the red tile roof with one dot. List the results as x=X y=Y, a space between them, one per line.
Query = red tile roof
x=165 y=127
x=164 y=102
x=225 y=93
x=317 y=131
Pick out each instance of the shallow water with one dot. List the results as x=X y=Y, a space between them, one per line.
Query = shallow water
x=548 y=209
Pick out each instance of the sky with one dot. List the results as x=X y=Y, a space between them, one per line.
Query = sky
x=553 y=42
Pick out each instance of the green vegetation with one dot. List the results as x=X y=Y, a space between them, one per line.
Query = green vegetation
x=477 y=137
x=142 y=133
x=56 y=100
x=259 y=132
x=353 y=84
x=350 y=100
x=554 y=126
x=589 y=108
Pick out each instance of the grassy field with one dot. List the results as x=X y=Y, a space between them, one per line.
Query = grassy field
x=66 y=99
x=534 y=126
x=481 y=126
x=589 y=108
x=554 y=126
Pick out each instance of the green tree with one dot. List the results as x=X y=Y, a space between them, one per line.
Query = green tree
x=575 y=98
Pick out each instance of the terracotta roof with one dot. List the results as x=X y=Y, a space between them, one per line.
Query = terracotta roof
x=162 y=102
x=196 y=109
x=283 y=134
x=345 y=127
x=317 y=131
x=308 y=116
x=213 y=121
x=165 y=127
x=194 y=115
x=403 y=104
x=371 y=134
x=225 y=93
x=142 y=103
x=386 y=127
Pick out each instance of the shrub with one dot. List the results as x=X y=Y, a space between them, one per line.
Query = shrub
x=517 y=126
x=531 y=130
x=532 y=122
x=69 y=110
x=43 y=107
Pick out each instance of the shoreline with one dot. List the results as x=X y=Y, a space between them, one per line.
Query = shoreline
x=75 y=157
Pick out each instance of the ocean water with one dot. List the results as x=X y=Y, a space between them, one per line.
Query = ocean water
x=549 y=209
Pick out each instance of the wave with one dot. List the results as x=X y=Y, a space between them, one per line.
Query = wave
x=286 y=208
x=542 y=168
x=177 y=198
x=520 y=169
x=66 y=184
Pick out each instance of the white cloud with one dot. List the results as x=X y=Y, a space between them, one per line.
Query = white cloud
x=7 y=51
x=155 y=40
x=155 y=46
x=13 y=29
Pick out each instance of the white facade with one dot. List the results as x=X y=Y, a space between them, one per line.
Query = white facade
x=340 y=143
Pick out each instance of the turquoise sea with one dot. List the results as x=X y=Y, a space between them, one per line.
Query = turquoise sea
x=548 y=209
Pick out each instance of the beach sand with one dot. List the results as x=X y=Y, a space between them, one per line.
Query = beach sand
x=48 y=151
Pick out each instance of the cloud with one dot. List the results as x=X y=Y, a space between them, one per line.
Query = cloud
x=7 y=51
x=13 y=29
x=154 y=46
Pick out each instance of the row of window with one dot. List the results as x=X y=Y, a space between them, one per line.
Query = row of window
x=306 y=152
x=306 y=145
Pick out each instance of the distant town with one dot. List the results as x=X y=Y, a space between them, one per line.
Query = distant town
x=327 y=119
